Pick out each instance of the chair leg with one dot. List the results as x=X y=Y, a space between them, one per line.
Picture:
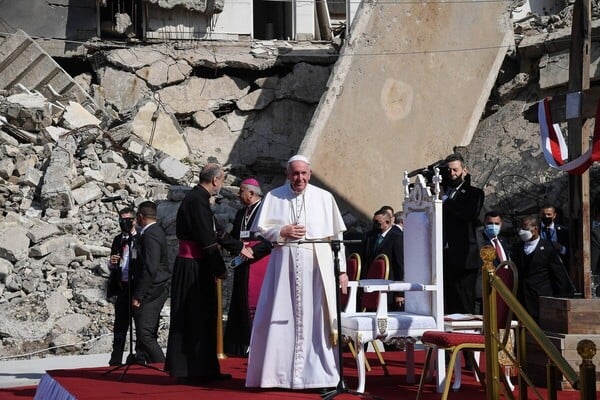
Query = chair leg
x=449 y=373
x=381 y=360
x=353 y=351
x=458 y=371
x=425 y=372
x=410 y=363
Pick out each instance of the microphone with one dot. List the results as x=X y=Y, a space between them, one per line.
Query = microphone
x=111 y=199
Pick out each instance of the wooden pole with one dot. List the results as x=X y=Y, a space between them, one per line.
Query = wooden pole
x=220 y=353
x=578 y=142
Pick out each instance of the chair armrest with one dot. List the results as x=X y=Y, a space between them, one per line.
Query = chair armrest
x=406 y=287
x=352 y=295
x=374 y=285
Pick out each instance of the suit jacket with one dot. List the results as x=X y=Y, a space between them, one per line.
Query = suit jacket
x=482 y=240
x=152 y=270
x=114 y=281
x=562 y=237
x=460 y=212
x=541 y=273
x=392 y=246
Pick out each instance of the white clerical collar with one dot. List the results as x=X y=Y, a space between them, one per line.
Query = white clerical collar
x=529 y=247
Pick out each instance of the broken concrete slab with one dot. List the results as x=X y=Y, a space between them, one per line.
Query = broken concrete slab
x=166 y=71
x=160 y=130
x=76 y=116
x=200 y=94
x=435 y=64
x=122 y=89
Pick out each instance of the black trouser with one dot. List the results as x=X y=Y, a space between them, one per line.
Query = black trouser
x=459 y=291
x=146 y=328
x=121 y=324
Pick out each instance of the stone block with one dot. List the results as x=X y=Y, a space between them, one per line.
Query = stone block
x=14 y=243
x=42 y=231
x=87 y=193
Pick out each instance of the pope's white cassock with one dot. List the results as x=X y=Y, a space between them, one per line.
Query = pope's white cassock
x=295 y=323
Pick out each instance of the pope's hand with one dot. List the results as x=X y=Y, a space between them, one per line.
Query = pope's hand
x=293 y=231
x=344 y=282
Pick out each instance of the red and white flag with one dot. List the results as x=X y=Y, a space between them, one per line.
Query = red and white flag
x=554 y=146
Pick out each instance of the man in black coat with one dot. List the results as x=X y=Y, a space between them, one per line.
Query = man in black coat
x=386 y=239
x=462 y=204
x=151 y=276
x=118 y=284
x=554 y=232
x=541 y=272
x=192 y=344
x=489 y=235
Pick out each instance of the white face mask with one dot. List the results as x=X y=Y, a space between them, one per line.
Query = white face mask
x=525 y=235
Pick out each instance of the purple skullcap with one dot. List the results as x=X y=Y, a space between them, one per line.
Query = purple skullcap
x=251 y=181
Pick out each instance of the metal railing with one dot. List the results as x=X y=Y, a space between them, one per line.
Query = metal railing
x=585 y=381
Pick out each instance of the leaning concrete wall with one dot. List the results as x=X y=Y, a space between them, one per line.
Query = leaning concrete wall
x=410 y=84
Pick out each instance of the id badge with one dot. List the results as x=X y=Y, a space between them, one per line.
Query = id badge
x=133 y=253
x=244 y=234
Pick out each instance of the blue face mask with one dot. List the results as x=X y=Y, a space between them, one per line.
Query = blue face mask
x=492 y=230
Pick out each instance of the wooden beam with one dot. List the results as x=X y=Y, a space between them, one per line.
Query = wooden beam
x=558 y=106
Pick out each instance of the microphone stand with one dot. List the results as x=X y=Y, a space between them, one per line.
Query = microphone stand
x=342 y=387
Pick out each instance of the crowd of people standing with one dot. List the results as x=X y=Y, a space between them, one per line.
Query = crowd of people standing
x=282 y=313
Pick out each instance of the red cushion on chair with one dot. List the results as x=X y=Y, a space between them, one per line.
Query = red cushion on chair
x=451 y=339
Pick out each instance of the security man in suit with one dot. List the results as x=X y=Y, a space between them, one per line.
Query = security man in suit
x=151 y=274
x=119 y=281
x=461 y=206
x=555 y=233
x=541 y=272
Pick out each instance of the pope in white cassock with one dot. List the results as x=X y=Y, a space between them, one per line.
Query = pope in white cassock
x=294 y=334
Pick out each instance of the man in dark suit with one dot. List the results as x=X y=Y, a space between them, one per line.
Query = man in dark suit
x=541 y=272
x=555 y=233
x=385 y=239
x=462 y=204
x=151 y=276
x=489 y=235
x=118 y=285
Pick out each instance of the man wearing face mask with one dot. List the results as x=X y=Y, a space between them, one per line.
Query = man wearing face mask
x=118 y=285
x=555 y=233
x=461 y=206
x=385 y=238
x=541 y=272
x=488 y=235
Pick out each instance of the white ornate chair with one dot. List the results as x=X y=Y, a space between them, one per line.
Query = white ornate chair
x=423 y=287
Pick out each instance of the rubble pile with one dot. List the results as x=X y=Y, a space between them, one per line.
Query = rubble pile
x=156 y=124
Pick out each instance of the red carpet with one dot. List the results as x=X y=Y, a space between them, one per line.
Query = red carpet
x=139 y=381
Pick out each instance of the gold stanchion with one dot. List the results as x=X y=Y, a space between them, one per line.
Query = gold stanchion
x=587 y=370
x=220 y=353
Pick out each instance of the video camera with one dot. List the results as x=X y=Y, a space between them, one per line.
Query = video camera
x=429 y=171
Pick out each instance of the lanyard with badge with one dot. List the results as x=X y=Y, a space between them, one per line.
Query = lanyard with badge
x=245 y=232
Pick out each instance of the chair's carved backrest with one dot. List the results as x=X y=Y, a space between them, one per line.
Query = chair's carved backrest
x=378 y=269
x=423 y=246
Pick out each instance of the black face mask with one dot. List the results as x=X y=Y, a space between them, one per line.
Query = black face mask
x=126 y=224
x=547 y=221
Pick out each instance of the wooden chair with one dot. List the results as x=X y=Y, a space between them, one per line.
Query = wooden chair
x=455 y=342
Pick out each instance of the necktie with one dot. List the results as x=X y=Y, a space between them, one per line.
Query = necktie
x=378 y=242
x=548 y=234
x=498 y=248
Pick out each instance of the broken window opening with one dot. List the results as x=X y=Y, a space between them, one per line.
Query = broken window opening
x=121 y=19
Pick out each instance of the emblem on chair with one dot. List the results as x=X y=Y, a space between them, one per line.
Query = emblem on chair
x=382 y=325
